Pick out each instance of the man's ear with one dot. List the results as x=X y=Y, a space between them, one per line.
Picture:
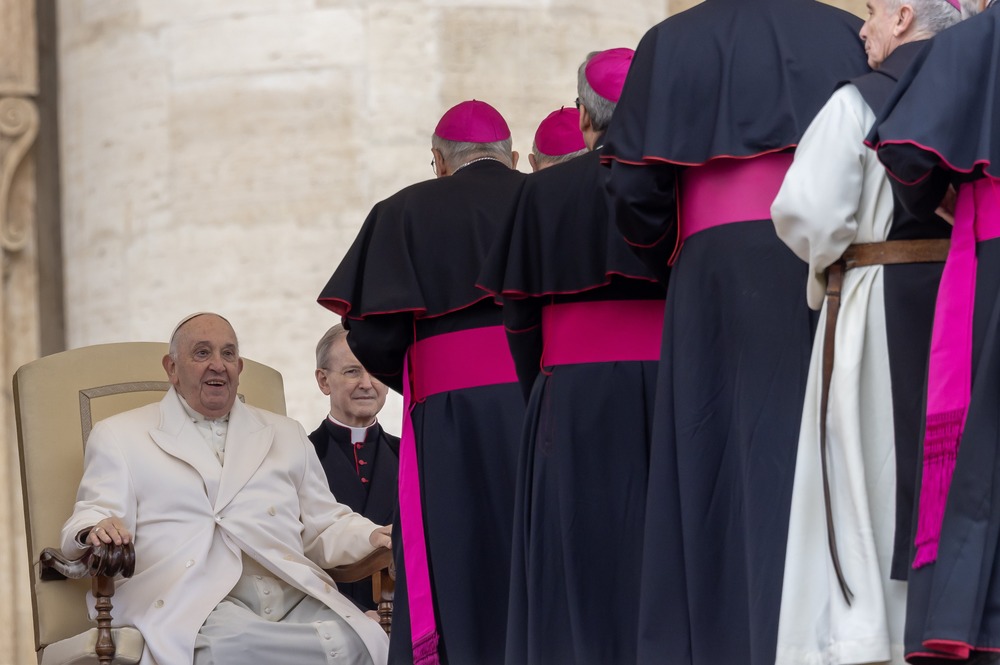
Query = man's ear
x=513 y=158
x=585 y=121
x=533 y=162
x=440 y=166
x=904 y=22
x=169 y=366
x=322 y=382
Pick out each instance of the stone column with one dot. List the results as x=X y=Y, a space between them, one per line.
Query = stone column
x=18 y=299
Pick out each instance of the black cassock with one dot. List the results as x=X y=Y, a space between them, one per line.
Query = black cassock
x=581 y=489
x=363 y=477
x=738 y=79
x=410 y=277
x=939 y=128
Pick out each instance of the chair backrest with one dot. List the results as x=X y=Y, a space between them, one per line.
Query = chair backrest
x=57 y=399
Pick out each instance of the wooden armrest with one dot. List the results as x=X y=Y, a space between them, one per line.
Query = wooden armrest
x=101 y=563
x=105 y=560
x=380 y=559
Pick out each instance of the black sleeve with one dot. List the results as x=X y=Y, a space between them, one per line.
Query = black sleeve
x=644 y=206
x=928 y=182
x=522 y=319
x=380 y=343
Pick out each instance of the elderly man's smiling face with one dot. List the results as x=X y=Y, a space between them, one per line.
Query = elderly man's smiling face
x=205 y=366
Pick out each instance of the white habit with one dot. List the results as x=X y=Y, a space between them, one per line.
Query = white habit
x=835 y=194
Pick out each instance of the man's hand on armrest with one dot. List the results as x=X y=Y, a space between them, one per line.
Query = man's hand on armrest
x=381 y=537
x=110 y=530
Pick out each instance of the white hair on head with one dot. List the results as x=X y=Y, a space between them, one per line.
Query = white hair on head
x=932 y=16
x=599 y=108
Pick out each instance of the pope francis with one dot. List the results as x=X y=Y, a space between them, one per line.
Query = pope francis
x=232 y=520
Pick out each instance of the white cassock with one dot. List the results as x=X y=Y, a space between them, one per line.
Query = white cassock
x=836 y=193
x=195 y=522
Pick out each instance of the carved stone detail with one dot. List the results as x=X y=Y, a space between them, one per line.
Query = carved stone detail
x=18 y=129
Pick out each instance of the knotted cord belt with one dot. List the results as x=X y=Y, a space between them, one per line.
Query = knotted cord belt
x=856 y=256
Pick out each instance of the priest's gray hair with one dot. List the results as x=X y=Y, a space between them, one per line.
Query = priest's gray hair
x=326 y=343
x=172 y=351
x=932 y=16
x=457 y=153
x=548 y=160
x=599 y=108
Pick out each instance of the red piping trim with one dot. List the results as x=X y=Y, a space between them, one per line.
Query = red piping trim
x=650 y=159
x=418 y=312
x=979 y=162
x=512 y=293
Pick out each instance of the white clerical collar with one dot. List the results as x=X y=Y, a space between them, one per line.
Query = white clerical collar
x=213 y=430
x=357 y=433
x=200 y=417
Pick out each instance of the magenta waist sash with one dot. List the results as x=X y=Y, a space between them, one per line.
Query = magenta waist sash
x=727 y=190
x=949 y=372
x=452 y=361
x=601 y=331
x=464 y=359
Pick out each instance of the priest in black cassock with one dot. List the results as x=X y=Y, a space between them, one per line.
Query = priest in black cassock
x=716 y=99
x=937 y=136
x=361 y=460
x=407 y=292
x=583 y=317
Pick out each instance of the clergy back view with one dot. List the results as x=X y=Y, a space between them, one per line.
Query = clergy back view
x=716 y=97
x=583 y=318
x=849 y=541
x=407 y=291
x=938 y=132
x=360 y=458
x=558 y=139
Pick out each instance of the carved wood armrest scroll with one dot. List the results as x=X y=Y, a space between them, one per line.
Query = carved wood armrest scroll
x=102 y=563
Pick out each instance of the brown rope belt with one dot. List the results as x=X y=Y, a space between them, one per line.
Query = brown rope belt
x=856 y=256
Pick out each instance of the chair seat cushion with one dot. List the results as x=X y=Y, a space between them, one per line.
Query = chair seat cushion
x=82 y=649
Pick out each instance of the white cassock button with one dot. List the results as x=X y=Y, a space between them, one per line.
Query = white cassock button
x=258 y=578
x=267 y=592
x=190 y=562
x=333 y=653
x=326 y=636
x=218 y=518
x=267 y=610
x=158 y=603
x=271 y=511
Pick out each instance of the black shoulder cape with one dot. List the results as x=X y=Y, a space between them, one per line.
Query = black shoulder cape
x=734 y=78
x=421 y=250
x=561 y=239
x=944 y=110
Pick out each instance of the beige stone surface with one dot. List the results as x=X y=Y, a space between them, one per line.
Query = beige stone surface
x=18 y=48
x=18 y=301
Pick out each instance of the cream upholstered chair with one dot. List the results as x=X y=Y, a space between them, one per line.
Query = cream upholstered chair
x=57 y=400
